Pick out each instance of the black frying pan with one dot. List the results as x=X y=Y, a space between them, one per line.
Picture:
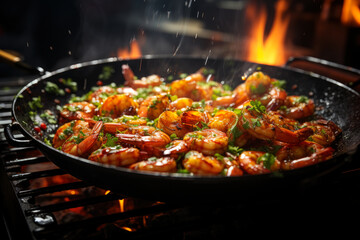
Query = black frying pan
x=338 y=103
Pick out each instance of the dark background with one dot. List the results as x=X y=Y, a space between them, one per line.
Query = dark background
x=54 y=34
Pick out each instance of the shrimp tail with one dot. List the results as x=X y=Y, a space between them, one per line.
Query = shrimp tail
x=319 y=156
x=285 y=135
x=89 y=142
x=128 y=74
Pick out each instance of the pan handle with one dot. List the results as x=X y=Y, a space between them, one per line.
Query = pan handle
x=346 y=75
x=17 y=62
x=8 y=132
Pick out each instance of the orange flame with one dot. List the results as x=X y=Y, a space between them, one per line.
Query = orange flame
x=270 y=50
x=351 y=12
x=134 y=52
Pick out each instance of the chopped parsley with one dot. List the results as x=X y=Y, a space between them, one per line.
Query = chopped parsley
x=35 y=103
x=267 y=159
x=50 y=117
x=106 y=73
x=235 y=150
x=53 y=88
x=257 y=106
x=260 y=89
x=279 y=84
x=302 y=99
x=69 y=83
x=111 y=141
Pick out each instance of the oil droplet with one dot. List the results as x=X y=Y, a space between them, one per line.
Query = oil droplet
x=69 y=52
x=51 y=48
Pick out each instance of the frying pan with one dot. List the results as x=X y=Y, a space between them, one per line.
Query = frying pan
x=336 y=102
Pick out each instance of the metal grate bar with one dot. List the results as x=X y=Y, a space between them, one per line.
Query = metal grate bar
x=39 y=174
x=71 y=204
x=26 y=161
x=52 y=189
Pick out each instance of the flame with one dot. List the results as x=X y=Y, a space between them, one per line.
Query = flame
x=270 y=50
x=135 y=51
x=121 y=205
x=351 y=12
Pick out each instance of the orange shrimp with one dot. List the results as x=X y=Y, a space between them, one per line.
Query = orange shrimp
x=68 y=129
x=118 y=105
x=144 y=137
x=195 y=119
x=150 y=81
x=180 y=104
x=255 y=121
x=98 y=96
x=225 y=121
x=325 y=132
x=257 y=162
x=208 y=141
x=195 y=162
x=123 y=123
x=189 y=88
x=163 y=164
x=153 y=106
x=277 y=119
x=170 y=123
x=81 y=144
x=260 y=86
x=297 y=107
x=117 y=156
x=303 y=154
x=77 y=111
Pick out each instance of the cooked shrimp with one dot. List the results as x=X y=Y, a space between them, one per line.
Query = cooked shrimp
x=180 y=104
x=304 y=154
x=144 y=137
x=256 y=162
x=153 y=106
x=76 y=111
x=232 y=166
x=164 y=164
x=240 y=95
x=279 y=120
x=255 y=121
x=257 y=84
x=189 y=88
x=208 y=141
x=175 y=149
x=98 y=96
x=325 y=132
x=297 y=107
x=144 y=82
x=195 y=119
x=117 y=156
x=170 y=123
x=82 y=144
x=68 y=129
x=260 y=86
x=118 y=105
x=225 y=121
x=195 y=162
